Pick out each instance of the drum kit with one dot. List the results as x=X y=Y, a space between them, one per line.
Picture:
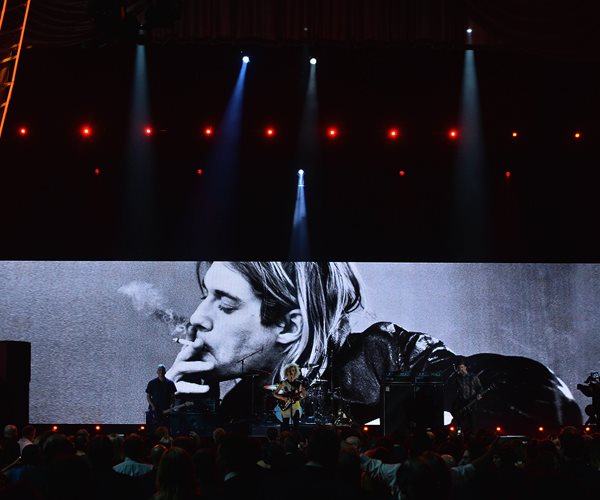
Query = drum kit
x=323 y=404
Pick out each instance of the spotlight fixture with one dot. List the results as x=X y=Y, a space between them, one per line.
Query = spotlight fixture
x=96 y=171
x=577 y=135
x=208 y=131
x=453 y=133
x=332 y=132
x=23 y=131
x=313 y=60
x=507 y=174
x=86 y=131
x=469 y=31
x=515 y=134
x=199 y=171
x=402 y=173
x=148 y=131
x=245 y=59
x=270 y=132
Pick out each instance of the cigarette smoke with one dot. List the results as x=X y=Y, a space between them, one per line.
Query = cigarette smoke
x=144 y=296
x=148 y=299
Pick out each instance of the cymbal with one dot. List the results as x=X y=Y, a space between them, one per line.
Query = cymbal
x=270 y=387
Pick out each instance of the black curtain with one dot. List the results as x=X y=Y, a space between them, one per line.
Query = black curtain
x=555 y=27
x=552 y=27
x=71 y=22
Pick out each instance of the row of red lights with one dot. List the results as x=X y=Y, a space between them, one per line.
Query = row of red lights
x=401 y=173
x=96 y=427
x=331 y=132
x=500 y=429
x=451 y=428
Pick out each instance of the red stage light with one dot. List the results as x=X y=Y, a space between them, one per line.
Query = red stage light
x=393 y=133
x=540 y=428
x=54 y=428
x=452 y=428
x=142 y=427
x=402 y=173
x=199 y=171
x=577 y=135
x=453 y=133
x=148 y=131
x=507 y=174
x=97 y=171
x=270 y=132
x=515 y=134
x=588 y=429
x=208 y=131
x=97 y=427
x=332 y=132
x=86 y=131
x=22 y=131
x=365 y=428
x=498 y=429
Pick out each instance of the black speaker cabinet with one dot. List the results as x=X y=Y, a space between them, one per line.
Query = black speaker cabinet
x=15 y=374
x=412 y=405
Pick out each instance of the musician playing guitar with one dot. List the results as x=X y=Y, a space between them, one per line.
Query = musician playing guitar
x=160 y=393
x=290 y=392
x=468 y=390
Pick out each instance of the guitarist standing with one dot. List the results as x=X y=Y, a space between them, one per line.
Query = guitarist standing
x=290 y=392
x=468 y=391
x=160 y=393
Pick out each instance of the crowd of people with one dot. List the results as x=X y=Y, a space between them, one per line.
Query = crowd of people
x=327 y=462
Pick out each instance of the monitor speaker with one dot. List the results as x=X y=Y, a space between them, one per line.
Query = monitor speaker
x=15 y=374
x=410 y=406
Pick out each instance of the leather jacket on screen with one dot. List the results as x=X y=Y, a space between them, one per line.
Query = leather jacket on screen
x=525 y=393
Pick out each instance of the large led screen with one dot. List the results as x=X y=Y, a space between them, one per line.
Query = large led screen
x=98 y=331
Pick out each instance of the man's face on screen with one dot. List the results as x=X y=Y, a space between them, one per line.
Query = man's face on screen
x=228 y=321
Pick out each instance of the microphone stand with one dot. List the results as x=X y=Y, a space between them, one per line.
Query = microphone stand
x=252 y=381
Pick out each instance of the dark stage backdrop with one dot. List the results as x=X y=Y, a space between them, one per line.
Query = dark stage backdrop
x=94 y=350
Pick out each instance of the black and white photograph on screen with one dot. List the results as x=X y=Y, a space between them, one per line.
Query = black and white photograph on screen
x=504 y=342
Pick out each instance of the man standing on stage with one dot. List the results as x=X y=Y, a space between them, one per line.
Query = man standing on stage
x=290 y=392
x=160 y=393
x=468 y=391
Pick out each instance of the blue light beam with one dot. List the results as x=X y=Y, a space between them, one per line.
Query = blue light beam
x=140 y=191
x=469 y=228
x=299 y=245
